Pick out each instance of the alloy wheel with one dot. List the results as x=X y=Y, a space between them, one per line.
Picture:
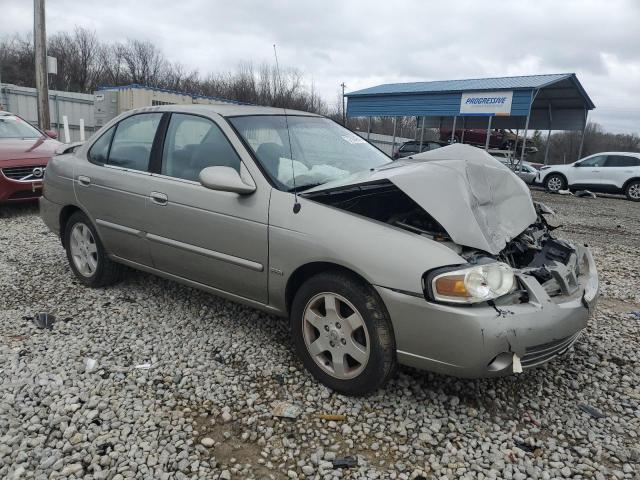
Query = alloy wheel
x=84 y=250
x=634 y=191
x=336 y=336
x=554 y=184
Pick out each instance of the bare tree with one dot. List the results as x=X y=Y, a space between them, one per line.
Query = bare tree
x=85 y=63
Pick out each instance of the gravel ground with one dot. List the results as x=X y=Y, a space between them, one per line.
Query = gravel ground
x=184 y=383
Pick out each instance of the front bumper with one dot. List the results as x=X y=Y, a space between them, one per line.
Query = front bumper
x=480 y=340
x=19 y=191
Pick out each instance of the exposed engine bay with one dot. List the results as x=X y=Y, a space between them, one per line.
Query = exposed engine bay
x=533 y=252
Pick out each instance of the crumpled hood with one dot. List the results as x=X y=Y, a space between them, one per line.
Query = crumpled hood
x=477 y=200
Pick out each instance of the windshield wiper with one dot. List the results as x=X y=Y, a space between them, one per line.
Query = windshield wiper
x=301 y=188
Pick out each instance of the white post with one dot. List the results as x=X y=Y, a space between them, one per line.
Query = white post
x=82 y=129
x=524 y=141
x=584 y=128
x=393 y=142
x=486 y=142
x=65 y=123
x=453 y=130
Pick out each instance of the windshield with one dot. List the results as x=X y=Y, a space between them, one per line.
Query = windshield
x=14 y=127
x=321 y=150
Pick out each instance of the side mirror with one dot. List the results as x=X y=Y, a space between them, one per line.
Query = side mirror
x=51 y=134
x=577 y=164
x=225 y=179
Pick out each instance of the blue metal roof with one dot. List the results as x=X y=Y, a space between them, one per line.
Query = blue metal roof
x=475 y=84
x=167 y=90
x=556 y=101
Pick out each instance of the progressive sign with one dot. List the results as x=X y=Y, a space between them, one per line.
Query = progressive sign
x=486 y=103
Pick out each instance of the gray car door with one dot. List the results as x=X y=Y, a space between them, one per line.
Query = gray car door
x=215 y=238
x=113 y=186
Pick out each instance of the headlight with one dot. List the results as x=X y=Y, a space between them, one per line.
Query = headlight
x=473 y=284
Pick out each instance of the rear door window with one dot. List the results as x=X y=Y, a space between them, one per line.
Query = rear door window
x=132 y=142
x=622 y=161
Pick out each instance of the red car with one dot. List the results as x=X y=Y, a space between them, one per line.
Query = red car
x=498 y=139
x=24 y=153
x=476 y=136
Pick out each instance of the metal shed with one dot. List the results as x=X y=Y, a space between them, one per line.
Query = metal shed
x=542 y=102
x=77 y=107
x=111 y=101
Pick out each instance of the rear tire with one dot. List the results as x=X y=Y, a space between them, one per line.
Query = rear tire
x=632 y=190
x=350 y=348
x=554 y=182
x=86 y=255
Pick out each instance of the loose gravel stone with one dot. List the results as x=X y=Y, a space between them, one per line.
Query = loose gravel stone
x=207 y=442
x=184 y=382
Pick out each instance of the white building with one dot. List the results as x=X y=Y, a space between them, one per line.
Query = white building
x=112 y=101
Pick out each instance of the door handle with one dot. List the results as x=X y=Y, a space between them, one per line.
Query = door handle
x=595 y=171
x=159 y=198
x=84 y=180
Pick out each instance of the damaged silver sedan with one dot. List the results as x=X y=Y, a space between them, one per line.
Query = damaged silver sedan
x=440 y=261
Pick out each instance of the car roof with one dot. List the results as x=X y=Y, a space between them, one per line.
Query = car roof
x=630 y=154
x=226 y=110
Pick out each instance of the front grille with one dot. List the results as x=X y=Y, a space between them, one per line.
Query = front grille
x=544 y=352
x=22 y=173
x=23 y=194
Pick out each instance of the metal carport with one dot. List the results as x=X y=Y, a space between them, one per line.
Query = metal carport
x=540 y=102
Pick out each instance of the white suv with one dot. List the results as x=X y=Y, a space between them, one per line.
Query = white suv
x=612 y=172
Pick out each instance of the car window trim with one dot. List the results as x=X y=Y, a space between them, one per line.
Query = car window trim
x=125 y=169
x=175 y=179
x=157 y=148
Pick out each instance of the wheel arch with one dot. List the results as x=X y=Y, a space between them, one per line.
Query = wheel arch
x=65 y=214
x=626 y=183
x=308 y=270
x=560 y=174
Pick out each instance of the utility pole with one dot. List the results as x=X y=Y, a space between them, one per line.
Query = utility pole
x=344 y=118
x=40 y=46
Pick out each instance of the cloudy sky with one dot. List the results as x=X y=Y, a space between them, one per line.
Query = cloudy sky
x=365 y=43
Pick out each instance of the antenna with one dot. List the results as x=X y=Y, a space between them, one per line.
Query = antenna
x=296 y=204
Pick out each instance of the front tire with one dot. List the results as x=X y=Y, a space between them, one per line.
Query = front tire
x=86 y=255
x=554 y=182
x=343 y=334
x=632 y=191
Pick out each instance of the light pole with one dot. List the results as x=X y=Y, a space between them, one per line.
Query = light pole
x=40 y=47
x=344 y=118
